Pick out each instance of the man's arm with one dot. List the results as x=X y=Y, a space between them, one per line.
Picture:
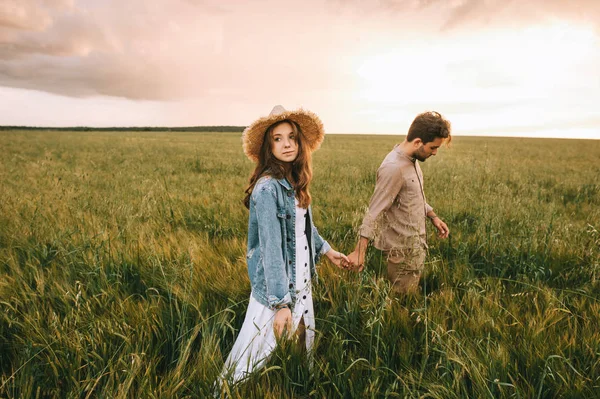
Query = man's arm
x=387 y=187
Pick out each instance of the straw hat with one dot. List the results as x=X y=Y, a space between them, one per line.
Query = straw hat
x=310 y=124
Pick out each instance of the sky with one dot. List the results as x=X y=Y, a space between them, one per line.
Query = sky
x=491 y=67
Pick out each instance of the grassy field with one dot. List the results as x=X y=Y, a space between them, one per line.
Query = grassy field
x=122 y=271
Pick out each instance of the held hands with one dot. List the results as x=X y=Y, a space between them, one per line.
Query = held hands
x=338 y=259
x=357 y=260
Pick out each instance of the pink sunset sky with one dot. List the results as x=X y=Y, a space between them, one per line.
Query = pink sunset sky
x=492 y=67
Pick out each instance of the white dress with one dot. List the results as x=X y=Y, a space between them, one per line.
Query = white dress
x=256 y=340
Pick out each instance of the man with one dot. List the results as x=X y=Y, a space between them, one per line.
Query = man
x=398 y=210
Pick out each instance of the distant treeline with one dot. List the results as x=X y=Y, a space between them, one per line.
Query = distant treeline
x=132 y=129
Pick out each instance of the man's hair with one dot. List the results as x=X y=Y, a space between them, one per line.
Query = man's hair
x=428 y=126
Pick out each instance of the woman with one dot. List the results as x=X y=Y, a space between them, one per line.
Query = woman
x=283 y=243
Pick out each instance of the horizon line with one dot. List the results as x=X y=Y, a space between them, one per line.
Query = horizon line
x=236 y=128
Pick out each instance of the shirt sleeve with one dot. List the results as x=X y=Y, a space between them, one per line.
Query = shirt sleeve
x=387 y=187
x=428 y=208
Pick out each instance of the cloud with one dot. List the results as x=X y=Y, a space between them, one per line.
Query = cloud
x=565 y=124
x=161 y=50
x=31 y=15
x=125 y=49
x=24 y=15
x=182 y=49
x=446 y=15
x=469 y=13
x=87 y=76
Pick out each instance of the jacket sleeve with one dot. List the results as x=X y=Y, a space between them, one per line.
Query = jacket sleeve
x=270 y=243
x=387 y=187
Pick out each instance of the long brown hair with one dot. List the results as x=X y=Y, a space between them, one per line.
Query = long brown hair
x=299 y=173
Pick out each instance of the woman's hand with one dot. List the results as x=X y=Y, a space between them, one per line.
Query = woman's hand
x=282 y=322
x=338 y=259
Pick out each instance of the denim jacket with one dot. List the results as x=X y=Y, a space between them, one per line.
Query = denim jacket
x=271 y=255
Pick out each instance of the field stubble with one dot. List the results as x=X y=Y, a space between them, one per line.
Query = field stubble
x=123 y=271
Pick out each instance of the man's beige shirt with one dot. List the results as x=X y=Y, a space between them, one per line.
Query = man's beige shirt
x=398 y=208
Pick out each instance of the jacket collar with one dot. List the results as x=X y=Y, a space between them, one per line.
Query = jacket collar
x=285 y=183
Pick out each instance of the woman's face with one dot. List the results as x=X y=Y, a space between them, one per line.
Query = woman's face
x=285 y=144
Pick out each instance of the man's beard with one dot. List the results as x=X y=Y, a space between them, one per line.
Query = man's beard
x=418 y=155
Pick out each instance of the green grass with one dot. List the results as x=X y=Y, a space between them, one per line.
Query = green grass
x=122 y=271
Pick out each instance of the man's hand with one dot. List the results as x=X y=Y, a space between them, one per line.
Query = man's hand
x=282 y=322
x=356 y=261
x=441 y=227
x=357 y=258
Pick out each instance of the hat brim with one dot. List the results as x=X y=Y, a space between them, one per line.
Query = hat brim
x=310 y=124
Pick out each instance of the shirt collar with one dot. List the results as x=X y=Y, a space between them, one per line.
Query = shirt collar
x=402 y=153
